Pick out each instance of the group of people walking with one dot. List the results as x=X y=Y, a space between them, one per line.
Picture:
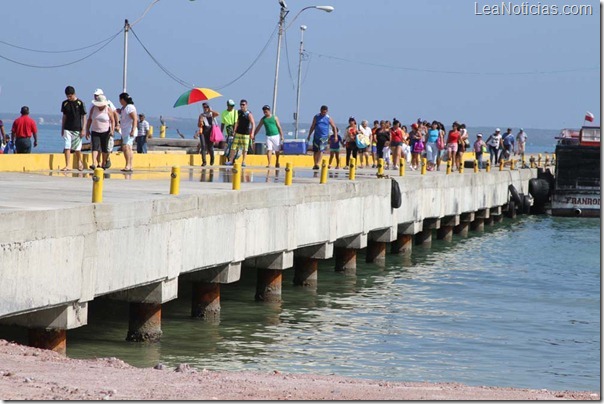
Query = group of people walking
x=100 y=126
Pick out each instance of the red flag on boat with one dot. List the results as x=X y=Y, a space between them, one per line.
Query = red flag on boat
x=589 y=116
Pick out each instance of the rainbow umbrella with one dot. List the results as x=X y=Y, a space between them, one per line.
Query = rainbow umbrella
x=196 y=95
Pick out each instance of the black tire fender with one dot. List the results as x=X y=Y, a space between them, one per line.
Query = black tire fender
x=396 y=199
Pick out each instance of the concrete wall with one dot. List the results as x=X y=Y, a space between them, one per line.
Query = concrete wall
x=55 y=257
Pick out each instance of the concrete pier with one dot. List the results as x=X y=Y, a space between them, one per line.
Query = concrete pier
x=144 y=322
x=264 y=225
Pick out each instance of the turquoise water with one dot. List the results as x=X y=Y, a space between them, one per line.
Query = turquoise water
x=518 y=305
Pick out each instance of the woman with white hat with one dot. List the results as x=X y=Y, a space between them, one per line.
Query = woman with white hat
x=101 y=124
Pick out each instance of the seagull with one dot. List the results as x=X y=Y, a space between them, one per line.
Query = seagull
x=180 y=134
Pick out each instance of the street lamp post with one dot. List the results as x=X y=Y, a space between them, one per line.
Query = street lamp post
x=282 y=14
x=297 y=117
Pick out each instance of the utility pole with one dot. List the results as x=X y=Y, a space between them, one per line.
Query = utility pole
x=126 y=29
x=297 y=117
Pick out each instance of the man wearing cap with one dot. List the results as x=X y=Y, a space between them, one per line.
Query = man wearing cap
x=494 y=143
x=141 y=138
x=73 y=127
x=228 y=120
x=274 y=134
x=320 y=126
x=23 y=129
x=479 y=147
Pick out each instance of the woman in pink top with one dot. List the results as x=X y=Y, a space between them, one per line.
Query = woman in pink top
x=101 y=124
x=452 y=144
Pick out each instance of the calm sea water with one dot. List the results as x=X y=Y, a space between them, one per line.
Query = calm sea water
x=518 y=305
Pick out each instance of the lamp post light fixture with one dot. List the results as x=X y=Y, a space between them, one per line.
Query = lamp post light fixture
x=282 y=14
x=297 y=115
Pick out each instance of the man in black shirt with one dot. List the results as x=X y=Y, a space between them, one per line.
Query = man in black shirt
x=73 y=127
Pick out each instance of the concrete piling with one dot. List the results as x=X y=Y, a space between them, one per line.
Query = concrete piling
x=461 y=229
x=477 y=224
x=376 y=252
x=346 y=260
x=424 y=238
x=268 y=285
x=48 y=338
x=144 y=323
x=445 y=233
x=403 y=245
x=206 y=300
x=306 y=272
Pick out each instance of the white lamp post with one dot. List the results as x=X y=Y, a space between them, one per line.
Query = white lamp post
x=302 y=29
x=283 y=13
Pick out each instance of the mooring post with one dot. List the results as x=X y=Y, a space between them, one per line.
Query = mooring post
x=144 y=322
x=205 y=302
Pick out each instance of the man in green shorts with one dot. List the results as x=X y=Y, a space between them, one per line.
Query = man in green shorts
x=228 y=120
x=274 y=134
x=244 y=132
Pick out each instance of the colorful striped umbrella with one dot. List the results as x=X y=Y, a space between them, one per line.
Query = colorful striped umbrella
x=196 y=95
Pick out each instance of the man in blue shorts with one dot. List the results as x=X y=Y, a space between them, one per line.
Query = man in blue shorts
x=320 y=126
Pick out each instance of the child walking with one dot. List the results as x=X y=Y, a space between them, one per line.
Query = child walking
x=335 y=140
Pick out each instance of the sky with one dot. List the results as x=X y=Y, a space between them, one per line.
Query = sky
x=432 y=59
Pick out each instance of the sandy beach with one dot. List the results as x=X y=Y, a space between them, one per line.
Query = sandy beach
x=34 y=374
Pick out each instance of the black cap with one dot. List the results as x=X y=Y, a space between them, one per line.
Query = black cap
x=266 y=107
x=24 y=110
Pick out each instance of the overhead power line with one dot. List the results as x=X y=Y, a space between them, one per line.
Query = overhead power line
x=63 y=64
x=162 y=67
x=415 y=69
x=60 y=51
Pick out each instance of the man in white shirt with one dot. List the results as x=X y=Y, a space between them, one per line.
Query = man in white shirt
x=141 y=138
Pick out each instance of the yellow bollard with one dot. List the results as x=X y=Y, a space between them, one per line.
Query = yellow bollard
x=424 y=165
x=546 y=160
x=488 y=169
x=97 y=185
x=523 y=161
x=448 y=167
x=162 y=131
x=236 y=176
x=380 y=167
x=539 y=160
x=352 y=173
x=501 y=164
x=475 y=166
x=553 y=159
x=324 y=172
x=401 y=167
x=289 y=173
x=175 y=181
x=532 y=160
x=461 y=167
x=512 y=164
x=150 y=133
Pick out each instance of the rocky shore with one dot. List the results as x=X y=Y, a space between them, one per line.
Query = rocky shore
x=34 y=374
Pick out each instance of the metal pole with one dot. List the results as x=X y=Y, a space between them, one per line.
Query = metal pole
x=282 y=15
x=302 y=29
x=126 y=29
